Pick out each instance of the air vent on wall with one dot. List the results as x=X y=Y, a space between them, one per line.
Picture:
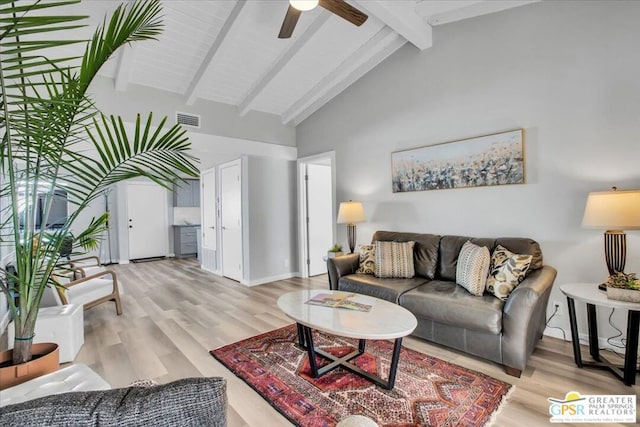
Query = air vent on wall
x=186 y=119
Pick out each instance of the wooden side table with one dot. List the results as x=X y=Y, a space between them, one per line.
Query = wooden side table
x=592 y=296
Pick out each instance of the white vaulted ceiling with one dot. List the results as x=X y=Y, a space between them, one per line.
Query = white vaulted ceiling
x=228 y=51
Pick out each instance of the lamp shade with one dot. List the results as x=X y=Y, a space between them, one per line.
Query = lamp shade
x=350 y=212
x=613 y=210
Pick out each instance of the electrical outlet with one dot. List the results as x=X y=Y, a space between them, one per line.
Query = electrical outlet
x=559 y=306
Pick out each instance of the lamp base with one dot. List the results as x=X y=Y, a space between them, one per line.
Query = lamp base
x=351 y=237
x=615 y=250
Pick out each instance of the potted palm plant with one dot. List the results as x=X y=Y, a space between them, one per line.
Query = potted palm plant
x=55 y=142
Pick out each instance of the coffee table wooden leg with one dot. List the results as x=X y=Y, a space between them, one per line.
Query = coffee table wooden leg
x=394 y=364
x=301 y=342
x=311 y=351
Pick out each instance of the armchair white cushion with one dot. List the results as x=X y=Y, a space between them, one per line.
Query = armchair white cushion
x=91 y=290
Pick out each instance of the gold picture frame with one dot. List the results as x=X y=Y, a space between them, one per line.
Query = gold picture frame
x=495 y=159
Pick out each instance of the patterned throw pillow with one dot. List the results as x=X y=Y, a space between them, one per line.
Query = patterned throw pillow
x=367 y=260
x=507 y=271
x=473 y=267
x=394 y=259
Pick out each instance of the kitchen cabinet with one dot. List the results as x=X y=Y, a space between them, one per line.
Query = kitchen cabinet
x=187 y=194
x=185 y=240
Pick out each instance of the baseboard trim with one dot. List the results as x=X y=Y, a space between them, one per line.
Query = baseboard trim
x=264 y=280
x=584 y=338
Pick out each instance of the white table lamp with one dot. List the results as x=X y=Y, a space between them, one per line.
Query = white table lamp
x=615 y=211
x=350 y=213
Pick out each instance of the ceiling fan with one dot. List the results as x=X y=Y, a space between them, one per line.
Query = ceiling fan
x=338 y=7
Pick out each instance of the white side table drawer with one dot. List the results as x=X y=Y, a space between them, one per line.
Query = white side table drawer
x=63 y=325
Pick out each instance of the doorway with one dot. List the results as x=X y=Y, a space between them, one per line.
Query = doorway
x=147 y=205
x=231 y=219
x=209 y=219
x=316 y=182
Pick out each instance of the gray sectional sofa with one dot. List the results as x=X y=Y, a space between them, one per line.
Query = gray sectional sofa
x=505 y=332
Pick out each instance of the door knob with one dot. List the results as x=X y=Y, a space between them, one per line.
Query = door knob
x=224 y=228
x=131 y=226
x=213 y=228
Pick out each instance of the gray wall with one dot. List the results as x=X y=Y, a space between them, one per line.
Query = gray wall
x=270 y=209
x=566 y=72
x=216 y=118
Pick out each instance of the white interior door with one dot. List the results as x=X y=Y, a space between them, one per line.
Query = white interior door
x=208 y=203
x=147 y=220
x=319 y=214
x=231 y=220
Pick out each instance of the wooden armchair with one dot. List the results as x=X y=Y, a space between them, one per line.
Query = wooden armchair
x=90 y=290
x=88 y=265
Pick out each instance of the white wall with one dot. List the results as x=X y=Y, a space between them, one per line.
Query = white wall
x=216 y=118
x=566 y=72
x=269 y=230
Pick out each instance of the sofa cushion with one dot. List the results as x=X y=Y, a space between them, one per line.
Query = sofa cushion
x=450 y=248
x=394 y=260
x=446 y=302
x=186 y=402
x=521 y=245
x=367 y=259
x=473 y=267
x=387 y=289
x=507 y=271
x=425 y=250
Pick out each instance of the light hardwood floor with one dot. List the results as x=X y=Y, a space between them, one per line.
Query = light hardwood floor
x=174 y=313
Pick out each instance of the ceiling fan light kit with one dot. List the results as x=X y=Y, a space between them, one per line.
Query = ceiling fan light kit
x=337 y=7
x=304 y=5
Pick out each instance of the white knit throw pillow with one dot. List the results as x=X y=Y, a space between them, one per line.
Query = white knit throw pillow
x=473 y=268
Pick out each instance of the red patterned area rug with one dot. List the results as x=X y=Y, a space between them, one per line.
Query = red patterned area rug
x=427 y=392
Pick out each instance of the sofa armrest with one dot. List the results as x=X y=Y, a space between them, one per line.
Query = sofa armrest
x=523 y=318
x=341 y=266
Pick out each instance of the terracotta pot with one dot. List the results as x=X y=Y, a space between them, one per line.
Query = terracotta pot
x=49 y=361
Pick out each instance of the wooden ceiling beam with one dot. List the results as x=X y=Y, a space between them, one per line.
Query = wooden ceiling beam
x=192 y=89
x=401 y=16
x=125 y=67
x=374 y=51
x=297 y=44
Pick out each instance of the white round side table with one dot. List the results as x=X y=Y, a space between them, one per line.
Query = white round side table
x=592 y=297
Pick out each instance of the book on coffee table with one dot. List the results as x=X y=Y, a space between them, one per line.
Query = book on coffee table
x=339 y=301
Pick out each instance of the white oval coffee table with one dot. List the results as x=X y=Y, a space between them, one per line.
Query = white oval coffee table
x=385 y=320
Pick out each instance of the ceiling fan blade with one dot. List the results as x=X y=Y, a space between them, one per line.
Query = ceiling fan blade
x=289 y=23
x=344 y=10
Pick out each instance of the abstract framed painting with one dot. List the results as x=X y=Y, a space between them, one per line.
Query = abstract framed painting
x=496 y=159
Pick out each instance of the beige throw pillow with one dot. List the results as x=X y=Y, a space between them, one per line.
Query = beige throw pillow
x=394 y=259
x=507 y=271
x=473 y=267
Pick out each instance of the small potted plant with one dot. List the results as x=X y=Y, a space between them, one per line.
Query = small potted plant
x=623 y=287
x=336 y=250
